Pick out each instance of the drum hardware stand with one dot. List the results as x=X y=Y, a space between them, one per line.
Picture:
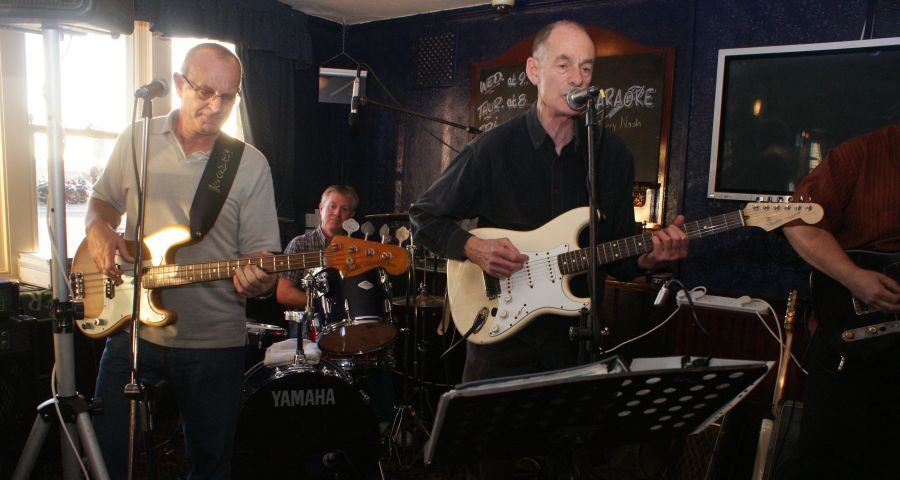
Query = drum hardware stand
x=408 y=425
x=307 y=321
x=74 y=411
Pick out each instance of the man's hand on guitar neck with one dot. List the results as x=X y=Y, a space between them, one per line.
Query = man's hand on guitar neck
x=496 y=257
x=669 y=244
x=251 y=281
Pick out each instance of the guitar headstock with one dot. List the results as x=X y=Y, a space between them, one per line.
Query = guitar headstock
x=791 y=310
x=353 y=256
x=771 y=215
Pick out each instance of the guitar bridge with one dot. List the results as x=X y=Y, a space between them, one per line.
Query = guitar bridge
x=77 y=280
x=869 y=331
x=491 y=286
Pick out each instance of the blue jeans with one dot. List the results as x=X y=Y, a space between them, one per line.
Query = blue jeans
x=207 y=385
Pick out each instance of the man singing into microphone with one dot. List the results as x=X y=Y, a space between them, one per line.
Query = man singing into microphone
x=519 y=176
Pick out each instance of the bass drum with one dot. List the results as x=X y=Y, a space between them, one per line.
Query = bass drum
x=304 y=422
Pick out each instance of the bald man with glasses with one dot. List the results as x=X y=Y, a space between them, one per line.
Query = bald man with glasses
x=201 y=354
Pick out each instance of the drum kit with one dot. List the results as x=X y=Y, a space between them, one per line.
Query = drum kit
x=323 y=414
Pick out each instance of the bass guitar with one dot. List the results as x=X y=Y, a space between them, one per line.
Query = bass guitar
x=489 y=309
x=850 y=326
x=108 y=303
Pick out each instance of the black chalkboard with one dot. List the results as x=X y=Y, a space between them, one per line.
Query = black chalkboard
x=633 y=85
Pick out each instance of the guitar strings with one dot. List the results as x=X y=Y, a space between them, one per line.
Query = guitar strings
x=169 y=275
x=541 y=269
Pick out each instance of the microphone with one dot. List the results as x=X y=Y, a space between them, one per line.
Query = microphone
x=159 y=87
x=578 y=97
x=354 y=99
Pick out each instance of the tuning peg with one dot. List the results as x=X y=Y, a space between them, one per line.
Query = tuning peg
x=385 y=233
x=367 y=229
x=402 y=235
x=350 y=226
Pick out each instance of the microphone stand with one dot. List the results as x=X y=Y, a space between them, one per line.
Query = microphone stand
x=135 y=390
x=591 y=332
x=467 y=128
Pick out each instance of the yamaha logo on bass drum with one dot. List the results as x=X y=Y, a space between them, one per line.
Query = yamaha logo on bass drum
x=312 y=397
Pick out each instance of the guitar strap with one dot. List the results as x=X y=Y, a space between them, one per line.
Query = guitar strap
x=215 y=184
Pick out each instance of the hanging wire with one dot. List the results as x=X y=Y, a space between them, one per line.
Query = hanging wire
x=356 y=64
x=343 y=52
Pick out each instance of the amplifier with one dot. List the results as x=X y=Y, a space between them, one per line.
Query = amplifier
x=9 y=299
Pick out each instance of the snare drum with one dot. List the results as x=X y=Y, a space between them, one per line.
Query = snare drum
x=355 y=313
x=306 y=422
x=260 y=337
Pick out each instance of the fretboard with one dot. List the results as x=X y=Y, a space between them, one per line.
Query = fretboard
x=183 y=274
x=578 y=261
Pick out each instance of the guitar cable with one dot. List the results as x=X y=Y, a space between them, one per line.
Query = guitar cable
x=476 y=326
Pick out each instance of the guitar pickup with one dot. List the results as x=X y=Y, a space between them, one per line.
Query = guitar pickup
x=109 y=288
x=491 y=286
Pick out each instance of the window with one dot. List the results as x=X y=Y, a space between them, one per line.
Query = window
x=95 y=109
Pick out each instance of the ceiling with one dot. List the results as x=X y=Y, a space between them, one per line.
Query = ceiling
x=351 y=12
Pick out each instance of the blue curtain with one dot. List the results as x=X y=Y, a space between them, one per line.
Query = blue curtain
x=269 y=112
x=273 y=41
x=266 y=25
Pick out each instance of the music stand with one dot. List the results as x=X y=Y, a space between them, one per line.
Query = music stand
x=554 y=411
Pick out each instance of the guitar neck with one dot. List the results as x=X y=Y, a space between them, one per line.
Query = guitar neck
x=183 y=274
x=578 y=261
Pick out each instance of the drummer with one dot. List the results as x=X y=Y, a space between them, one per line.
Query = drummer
x=338 y=204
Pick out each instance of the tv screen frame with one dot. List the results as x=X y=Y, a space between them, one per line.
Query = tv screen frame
x=779 y=109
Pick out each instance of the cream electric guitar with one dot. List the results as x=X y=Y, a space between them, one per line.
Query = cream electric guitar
x=108 y=306
x=490 y=309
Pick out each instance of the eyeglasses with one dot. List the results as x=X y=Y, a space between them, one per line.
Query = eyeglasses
x=205 y=94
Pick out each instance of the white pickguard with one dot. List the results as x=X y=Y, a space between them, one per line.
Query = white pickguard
x=537 y=286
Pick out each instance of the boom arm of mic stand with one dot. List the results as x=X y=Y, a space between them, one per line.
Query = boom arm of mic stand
x=367 y=101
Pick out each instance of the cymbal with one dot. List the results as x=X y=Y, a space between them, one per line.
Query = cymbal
x=389 y=217
x=422 y=301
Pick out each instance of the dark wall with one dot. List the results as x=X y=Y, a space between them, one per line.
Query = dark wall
x=751 y=261
x=392 y=157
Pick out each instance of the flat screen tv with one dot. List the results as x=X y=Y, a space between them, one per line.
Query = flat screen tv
x=779 y=109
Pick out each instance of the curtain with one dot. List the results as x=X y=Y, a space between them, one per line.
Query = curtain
x=270 y=124
x=266 y=25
